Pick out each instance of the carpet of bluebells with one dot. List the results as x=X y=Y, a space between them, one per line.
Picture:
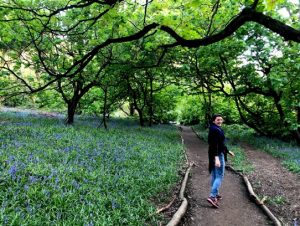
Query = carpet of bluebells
x=53 y=174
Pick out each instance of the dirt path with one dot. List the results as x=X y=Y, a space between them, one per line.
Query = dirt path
x=236 y=208
x=281 y=187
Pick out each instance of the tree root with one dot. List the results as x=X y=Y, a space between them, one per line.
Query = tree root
x=256 y=200
x=167 y=206
x=179 y=213
x=183 y=207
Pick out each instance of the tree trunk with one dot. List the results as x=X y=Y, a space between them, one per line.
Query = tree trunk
x=297 y=132
x=71 y=111
x=104 y=109
x=238 y=101
x=141 y=116
x=279 y=107
x=131 y=109
x=151 y=102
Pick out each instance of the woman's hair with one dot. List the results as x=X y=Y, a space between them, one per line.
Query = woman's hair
x=213 y=118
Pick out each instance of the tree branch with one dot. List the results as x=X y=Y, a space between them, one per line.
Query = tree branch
x=247 y=15
x=215 y=10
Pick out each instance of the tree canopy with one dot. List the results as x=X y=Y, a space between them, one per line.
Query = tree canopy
x=97 y=55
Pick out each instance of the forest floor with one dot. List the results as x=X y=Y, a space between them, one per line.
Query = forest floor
x=277 y=184
x=269 y=179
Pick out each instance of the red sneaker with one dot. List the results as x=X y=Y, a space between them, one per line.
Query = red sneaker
x=213 y=201
x=219 y=197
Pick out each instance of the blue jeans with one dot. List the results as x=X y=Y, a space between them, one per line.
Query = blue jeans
x=217 y=175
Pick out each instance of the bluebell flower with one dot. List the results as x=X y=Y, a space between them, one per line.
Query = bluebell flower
x=58 y=215
x=46 y=192
x=89 y=224
x=75 y=184
x=5 y=220
x=11 y=158
x=28 y=207
x=4 y=204
x=58 y=136
x=67 y=149
x=30 y=157
x=56 y=180
x=114 y=204
x=12 y=171
x=32 y=179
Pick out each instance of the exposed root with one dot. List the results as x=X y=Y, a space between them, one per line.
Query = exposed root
x=167 y=206
x=256 y=200
x=179 y=213
x=183 y=207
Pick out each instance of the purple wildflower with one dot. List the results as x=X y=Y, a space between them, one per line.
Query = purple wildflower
x=26 y=187
x=75 y=184
x=32 y=179
x=12 y=171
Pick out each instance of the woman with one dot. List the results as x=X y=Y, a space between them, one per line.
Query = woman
x=217 y=153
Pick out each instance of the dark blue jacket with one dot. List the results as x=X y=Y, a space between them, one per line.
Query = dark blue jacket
x=216 y=142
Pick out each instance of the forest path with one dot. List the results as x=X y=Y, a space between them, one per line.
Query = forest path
x=271 y=180
x=235 y=207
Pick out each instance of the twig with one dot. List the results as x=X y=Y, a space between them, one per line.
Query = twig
x=167 y=206
x=263 y=199
x=215 y=10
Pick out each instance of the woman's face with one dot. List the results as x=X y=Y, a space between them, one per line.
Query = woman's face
x=218 y=121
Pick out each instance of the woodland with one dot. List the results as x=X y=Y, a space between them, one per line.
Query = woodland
x=162 y=61
x=89 y=88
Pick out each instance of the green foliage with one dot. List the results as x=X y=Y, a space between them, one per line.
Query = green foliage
x=253 y=69
x=165 y=103
x=269 y=74
x=239 y=161
x=92 y=102
x=189 y=110
x=289 y=153
x=17 y=101
x=81 y=174
x=238 y=132
x=226 y=107
x=277 y=200
x=48 y=99
x=201 y=132
x=292 y=165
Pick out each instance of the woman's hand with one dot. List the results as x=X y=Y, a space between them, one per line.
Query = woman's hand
x=217 y=162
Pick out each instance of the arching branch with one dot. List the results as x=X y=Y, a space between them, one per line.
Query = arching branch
x=247 y=15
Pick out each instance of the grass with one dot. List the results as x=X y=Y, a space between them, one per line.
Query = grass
x=277 y=200
x=52 y=174
x=288 y=153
